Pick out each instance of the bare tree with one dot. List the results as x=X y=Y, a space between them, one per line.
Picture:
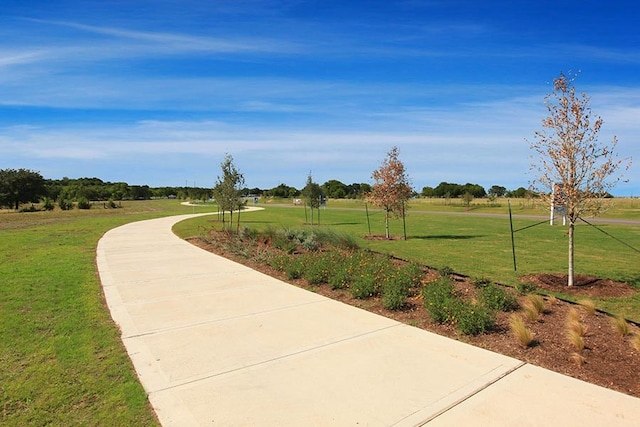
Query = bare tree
x=391 y=188
x=572 y=167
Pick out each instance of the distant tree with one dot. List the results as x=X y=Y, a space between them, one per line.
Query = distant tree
x=283 y=191
x=497 y=191
x=228 y=188
x=20 y=186
x=475 y=190
x=428 y=192
x=312 y=194
x=335 y=189
x=467 y=198
x=518 y=193
x=391 y=189
x=358 y=190
x=571 y=159
x=140 y=192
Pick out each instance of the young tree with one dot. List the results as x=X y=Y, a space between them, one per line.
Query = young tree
x=312 y=194
x=228 y=188
x=20 y=186
x=570 y=158
x=391 y=188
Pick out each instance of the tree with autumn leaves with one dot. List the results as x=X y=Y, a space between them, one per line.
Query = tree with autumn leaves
x=391 y=189
x=570 y=159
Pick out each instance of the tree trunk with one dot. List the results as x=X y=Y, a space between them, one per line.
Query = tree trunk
x=571 y=266
x=386 y=223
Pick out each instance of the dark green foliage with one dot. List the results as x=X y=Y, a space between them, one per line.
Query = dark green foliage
x=472 y=319
x=339 y=278
x=497 y=298
x=20 y=186
x=84 y=203
x=65 y=204
x=364 y=285
x=439 y=299
x=525 y=287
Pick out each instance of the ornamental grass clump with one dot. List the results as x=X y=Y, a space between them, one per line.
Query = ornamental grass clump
x=533 y=306
x=520 y=331
x=588 y=305
x=620 y=325
x=635 y=341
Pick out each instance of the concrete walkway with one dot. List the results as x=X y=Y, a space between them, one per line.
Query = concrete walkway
x=216 y=343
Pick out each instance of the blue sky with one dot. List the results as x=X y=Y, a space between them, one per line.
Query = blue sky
x=157 y=91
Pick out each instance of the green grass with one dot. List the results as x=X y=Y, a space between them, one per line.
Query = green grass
x=478 y=246
x=61 y=358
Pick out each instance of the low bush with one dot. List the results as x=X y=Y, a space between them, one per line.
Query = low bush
x=472 y=319
x=65 y=204
x=84 y=203
x=439 y=299
x=620 y=325
x=364 y=285
x=497 y=298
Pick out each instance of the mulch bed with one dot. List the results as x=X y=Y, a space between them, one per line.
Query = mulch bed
x=608 y=359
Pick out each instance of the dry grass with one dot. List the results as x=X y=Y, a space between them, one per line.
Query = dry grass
x=573 y=315
x=588 y=305
x=578 y=359
x=635 y=341
x=576 y=340
x=533 y=306
x=520 y=331
x=620 y=325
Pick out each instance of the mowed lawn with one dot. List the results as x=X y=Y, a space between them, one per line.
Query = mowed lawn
x=476 y=246
x=61 y=359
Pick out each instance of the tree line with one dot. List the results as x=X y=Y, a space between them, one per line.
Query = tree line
x=22 y=186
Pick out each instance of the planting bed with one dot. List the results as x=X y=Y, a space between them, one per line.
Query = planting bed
x=608 y=359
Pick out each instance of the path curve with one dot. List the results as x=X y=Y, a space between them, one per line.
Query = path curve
x=216 y=343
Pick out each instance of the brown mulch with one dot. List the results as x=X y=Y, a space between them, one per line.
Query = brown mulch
x=608 y=359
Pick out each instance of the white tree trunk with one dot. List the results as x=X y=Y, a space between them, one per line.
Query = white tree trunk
x=386 y=223
x=571 y=266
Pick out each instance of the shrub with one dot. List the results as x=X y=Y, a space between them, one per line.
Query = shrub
x=497 y=298
x=394 y=292
x=520 y=331
x=48 y=204
x=445 y=271
x=279 y=262
x=294 y=268
x=481 y=282
x=281 y=242
x=472 y=319
x=439 y=299
x=339 y=278
x=84 y=203
x=338 y=240
x=316 y=268
x=525 y=288
x=364 y=286
x=65 y=204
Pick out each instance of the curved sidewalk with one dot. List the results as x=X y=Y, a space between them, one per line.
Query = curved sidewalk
x=216 y=343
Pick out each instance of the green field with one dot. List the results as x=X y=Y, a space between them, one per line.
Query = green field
x=61 y=359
